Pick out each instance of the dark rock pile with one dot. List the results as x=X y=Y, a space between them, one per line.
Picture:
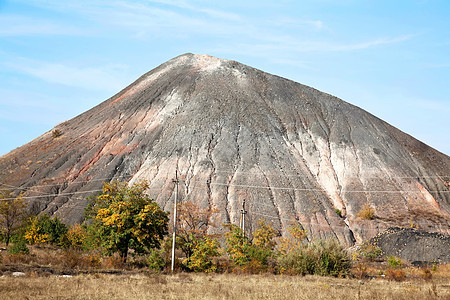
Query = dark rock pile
x=416 y=246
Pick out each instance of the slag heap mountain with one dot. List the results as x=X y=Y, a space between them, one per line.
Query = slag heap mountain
x=295 y=154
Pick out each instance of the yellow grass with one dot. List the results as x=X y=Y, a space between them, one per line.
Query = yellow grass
x=214 y=286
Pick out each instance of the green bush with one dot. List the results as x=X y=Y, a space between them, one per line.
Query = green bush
x=394 y=262
x=298 y=261
x=237 y=245
x=19 y=247
x=155 y=260
x=45 y=229
x=331 y=258
x=252 y=256
x=370 y=251
x=322 y=257
x=53 y=227
x=202 y=258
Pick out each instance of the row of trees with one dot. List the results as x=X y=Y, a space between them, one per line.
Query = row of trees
x=122 y=219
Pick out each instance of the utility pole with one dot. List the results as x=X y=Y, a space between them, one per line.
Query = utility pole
x=175 y=201
x=242 y=223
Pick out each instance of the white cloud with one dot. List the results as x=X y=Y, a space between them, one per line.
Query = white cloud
x=104 y=78
x=14 y=25
x=289 y=22
x=365 y=45
x=221 y=14
x=287 y=44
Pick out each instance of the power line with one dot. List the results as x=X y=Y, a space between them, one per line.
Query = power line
x=54 y=195
x=259 y=187
x=59 y=184
x=233 y=171
x=319 y=190
x=312 y=224
x=347 y=177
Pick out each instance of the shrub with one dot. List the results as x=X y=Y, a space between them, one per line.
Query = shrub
x=71 y=259
x=427 y=274
x=94 y=260
x=294 y=240
x=395 y=274
x=299 y=261
x=34 y=234
x=237 y=245
x=76 y=236
x=53 y=227
x=370 y=251
x=367 y=212
x=331 y=258
x=113 y=262
x=360 y=271
x=338 y=212
x=201 y=259
x=394 y=262
x=323 y=257
x=56 y=133
x=242 y=251
x=155 y=260
x=19 y=247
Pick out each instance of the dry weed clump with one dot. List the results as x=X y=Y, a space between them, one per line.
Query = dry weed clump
x=395 y=274
x=427 y=274
x=366 y=213
x=17 y=259
x=360 y=271
x=113 y=262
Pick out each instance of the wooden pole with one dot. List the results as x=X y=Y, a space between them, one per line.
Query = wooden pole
x=243 y=212
x=175 y=201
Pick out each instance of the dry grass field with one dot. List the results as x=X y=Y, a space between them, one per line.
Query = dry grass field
x=42 y=278
x=215 y=286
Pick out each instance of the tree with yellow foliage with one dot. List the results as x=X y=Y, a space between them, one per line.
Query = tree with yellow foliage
x=35 y=234
x=124 y=218
x=12 y=214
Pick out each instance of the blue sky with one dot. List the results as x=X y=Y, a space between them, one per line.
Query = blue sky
x=391 y=58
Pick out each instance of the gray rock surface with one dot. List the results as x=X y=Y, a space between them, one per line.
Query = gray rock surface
x=234 y=132
x=416 y=246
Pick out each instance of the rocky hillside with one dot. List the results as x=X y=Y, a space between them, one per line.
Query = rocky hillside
x=295 y=154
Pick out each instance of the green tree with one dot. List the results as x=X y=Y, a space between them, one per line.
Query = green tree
x=238 y=246
x=294 y=239
x=34 y=234
x=53 y=227
x=44 y=229
x=124 y=218
x=263 y=243
x=12 y=214
x=201 y=260
x=76 y=236
x=251 y=255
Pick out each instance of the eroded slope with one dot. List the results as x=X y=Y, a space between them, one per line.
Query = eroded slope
x=233 y=132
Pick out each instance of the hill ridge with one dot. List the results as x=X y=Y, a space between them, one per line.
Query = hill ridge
x=217 y=121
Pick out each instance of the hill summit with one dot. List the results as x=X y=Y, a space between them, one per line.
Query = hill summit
x=295 y=154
